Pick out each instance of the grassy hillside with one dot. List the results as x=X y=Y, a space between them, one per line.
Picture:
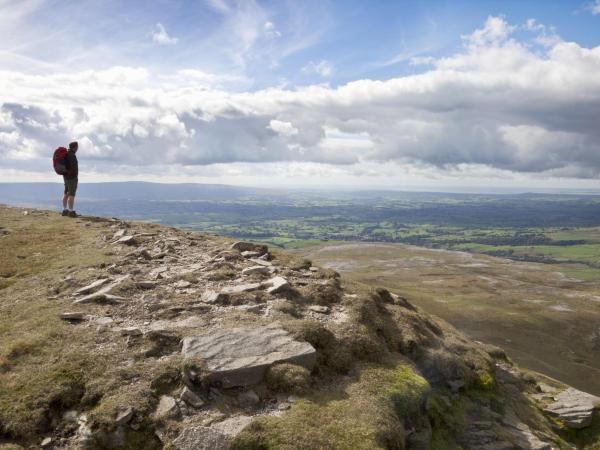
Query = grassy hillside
x=112 y=373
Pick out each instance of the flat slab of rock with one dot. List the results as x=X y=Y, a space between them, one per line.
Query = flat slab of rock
x=214 y=297
x=276 y=285
x=238 y=289
x=91 y=287
x=240 y=357
x=261 y=262
x=99 y=297
x=201 y=438
x=127 y=240
x=575 y=408
x=104 y=294
x=255 y=269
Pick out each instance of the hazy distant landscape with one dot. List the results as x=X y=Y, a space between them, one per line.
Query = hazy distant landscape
x=547 y=228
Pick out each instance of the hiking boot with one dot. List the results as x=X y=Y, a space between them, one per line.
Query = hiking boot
x=73 y=214
x=65 y=212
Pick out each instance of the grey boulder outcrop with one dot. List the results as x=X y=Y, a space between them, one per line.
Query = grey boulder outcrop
x=575 y=408
x=241 y=357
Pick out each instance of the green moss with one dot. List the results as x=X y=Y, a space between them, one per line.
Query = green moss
x=406 y=389
x=368 y=413
x=288 y=378
x=484 y=381
x=447 y=418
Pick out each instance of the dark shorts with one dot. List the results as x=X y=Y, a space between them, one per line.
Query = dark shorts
x=70 y=186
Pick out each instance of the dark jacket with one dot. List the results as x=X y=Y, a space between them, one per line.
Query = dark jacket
x=72 y=165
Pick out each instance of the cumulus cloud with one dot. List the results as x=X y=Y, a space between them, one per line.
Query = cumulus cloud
x=322 y=68
x=496 y=104
x=160 y=35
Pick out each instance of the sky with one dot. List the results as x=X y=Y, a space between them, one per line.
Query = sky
x=435 y=95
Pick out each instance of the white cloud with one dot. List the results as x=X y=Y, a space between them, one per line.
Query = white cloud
x=496 y=106
x=495 y=31
x=160 y=36
x=322 y=68
x=282 y=128
x=595 y=7
x=546 y=36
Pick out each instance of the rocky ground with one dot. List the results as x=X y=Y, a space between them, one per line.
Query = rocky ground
x=131 y=335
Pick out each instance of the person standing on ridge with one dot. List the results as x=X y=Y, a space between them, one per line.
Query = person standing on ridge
x=70 y=178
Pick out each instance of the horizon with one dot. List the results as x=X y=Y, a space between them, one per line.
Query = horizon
x=429 y=95
x=500 y=191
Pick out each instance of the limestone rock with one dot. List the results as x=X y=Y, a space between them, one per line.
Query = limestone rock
x=182 y=284
x=240 y=357
x=201 y=438
x=240 y=288
x=276 y=285
x=261 y=262
x=99 y=297
x=575 y=408
x=127 y=240
x=147 y=284
x=255 y=269
x=214 y=297
x=233 y=425
x=191 y=398
x=92 y=287
x=167 y=407
x=250 y=254
x=104 y=295
x=319 y=309
x=124 y=415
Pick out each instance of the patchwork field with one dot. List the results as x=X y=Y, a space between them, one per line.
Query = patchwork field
x=546 y=316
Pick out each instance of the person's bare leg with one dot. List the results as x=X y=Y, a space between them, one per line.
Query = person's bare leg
x=65 y=197
x=71 y=202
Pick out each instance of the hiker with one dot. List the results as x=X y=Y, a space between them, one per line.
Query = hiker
x=70 y=178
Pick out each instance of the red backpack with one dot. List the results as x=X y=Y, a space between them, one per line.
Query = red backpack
x=59 y=160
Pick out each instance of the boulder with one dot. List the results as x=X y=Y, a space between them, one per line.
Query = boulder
x=575 y=408
x=147 y=284
x=214 y=297
x=250 y=254
x=276 y=285
x=167 y=407
x=201 y=438
x=191 y=398
x=241 y=357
